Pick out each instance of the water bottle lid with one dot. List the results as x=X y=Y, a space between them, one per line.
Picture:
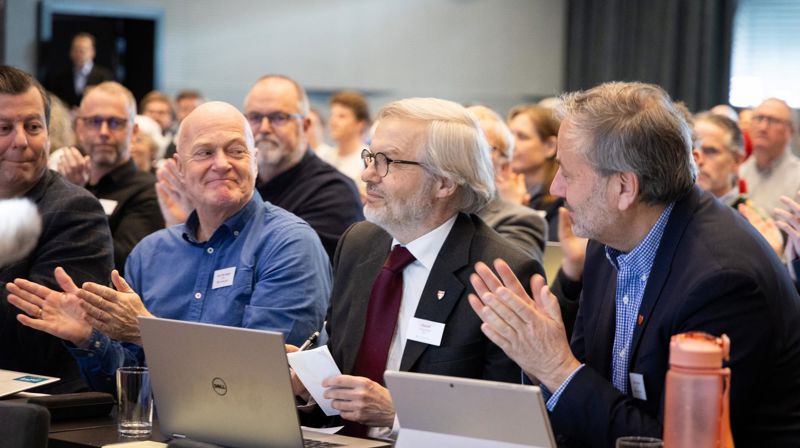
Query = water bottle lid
x=699 y=350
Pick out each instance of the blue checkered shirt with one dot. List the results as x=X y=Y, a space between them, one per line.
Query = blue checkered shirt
x=633 y=270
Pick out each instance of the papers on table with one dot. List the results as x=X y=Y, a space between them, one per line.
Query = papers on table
x=313 y=366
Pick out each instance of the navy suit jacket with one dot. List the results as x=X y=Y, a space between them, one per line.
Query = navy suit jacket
x=714 y=273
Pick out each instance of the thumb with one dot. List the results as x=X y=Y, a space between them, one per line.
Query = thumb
x=65 y=281
x=119 y=283
x=564 y=224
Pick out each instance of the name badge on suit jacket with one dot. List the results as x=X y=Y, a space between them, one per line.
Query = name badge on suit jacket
x=425 y=331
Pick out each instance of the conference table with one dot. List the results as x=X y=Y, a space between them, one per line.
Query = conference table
x=93 y=432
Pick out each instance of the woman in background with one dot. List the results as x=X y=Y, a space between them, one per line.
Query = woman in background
x=535 y=130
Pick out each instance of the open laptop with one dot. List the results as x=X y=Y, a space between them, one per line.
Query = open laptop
x=225 y=385
x=12 y=382
x=436 y=411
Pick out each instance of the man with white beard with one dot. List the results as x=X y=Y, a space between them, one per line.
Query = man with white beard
x=290 y=175
x=427 y=172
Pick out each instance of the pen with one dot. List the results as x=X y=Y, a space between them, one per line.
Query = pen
x=311 y=339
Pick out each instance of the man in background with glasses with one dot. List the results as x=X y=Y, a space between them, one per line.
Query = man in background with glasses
x=401 y=280
x=74 y=235
x=105 y=129
x=290 y=175
x=772 y=170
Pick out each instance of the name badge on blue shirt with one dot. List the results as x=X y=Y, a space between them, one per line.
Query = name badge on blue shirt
x=223 y=277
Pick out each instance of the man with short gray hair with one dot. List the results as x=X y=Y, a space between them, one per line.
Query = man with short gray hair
x=664 y=258
x=772 y=171
x=105 y=128
x=719 y=151
x=427 y=172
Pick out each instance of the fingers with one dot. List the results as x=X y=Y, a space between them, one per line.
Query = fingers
x=291 y=348
x=564 y=224
x=100 y=292
x=549 y=303
x=750 y=214
x=490 y=282
x=64 y=280
x=119 y=282
x=509 y=279
x=30 y=308
x=34 y=291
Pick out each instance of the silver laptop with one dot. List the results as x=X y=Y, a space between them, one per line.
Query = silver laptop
x=12 y=382
x=225 y=385
x=436 y=411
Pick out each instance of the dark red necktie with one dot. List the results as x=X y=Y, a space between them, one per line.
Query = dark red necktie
x=384 y=306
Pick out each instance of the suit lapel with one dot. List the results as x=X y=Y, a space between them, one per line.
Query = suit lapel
x=604 y=325
x=453 y=256
x=678 y=220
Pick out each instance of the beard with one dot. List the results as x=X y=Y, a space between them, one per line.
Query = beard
x=105 y=157
x=400 y=213
x=591 y=218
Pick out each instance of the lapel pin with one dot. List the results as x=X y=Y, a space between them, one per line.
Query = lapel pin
x=640 y=320
x=440 y=295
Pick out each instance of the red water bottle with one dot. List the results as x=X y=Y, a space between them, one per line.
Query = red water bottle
x=696 y=405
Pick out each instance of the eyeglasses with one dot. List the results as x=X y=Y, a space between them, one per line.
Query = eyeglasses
x=771 y=121
x=113 y=123
x=381 y=161
x=277 y=119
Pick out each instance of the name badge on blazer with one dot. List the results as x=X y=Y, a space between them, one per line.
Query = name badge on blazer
x=425 y=331
x=637 y=386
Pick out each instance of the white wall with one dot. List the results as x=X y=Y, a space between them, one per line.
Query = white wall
x=499 y=52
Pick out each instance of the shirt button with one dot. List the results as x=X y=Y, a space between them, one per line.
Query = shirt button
x=235 y=233
x=643 y=277
x=622 y=353
x=97 y=344
x=625 y=299
x=210 y=250
x=198 y=296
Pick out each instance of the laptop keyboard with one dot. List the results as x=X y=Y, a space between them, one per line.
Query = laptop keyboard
x=318 y=444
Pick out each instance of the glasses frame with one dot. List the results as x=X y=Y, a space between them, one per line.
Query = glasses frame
x=96 y=122
x=256 y=124
x=368 y=157
x=769 y=120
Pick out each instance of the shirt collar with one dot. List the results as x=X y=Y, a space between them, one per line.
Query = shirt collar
x=773 y=164
x=641 y=258
x=85 y=69
x=426 y=248
x=233 y=224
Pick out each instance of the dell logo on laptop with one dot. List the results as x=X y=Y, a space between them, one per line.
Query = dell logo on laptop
x=219 y=386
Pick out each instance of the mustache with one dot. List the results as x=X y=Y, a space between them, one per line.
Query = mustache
x=267 y=142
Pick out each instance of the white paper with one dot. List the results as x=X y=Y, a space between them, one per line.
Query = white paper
x=425 y=331
x=140 y=444
x=637 y=386
x=312 y=367
x=223 y=277
x=109 y=205
x=331 y=430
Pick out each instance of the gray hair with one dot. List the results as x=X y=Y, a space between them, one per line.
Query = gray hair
x=496 y=123
x=115 y=88
x=634 y=127
x=453 y=148
x=793 y=119
x=735 y=140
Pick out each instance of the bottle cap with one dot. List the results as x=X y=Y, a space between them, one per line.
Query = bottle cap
x=699 y=350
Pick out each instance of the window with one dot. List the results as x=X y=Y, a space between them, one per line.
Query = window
x=766 y=52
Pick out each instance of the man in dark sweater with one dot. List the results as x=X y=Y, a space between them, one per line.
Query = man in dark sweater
x=289 y=174
x=75 y=232
x=105 y=129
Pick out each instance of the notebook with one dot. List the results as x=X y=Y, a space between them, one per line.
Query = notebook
x=435 y=411
x=12 y=382
x=225 y=385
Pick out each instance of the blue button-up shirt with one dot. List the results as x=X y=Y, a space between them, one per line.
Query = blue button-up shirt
x=281 y=281
x=633 y=270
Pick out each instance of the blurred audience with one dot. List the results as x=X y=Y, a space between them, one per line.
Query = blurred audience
x=772 y=171
x=535 y=130
x=524 y=228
